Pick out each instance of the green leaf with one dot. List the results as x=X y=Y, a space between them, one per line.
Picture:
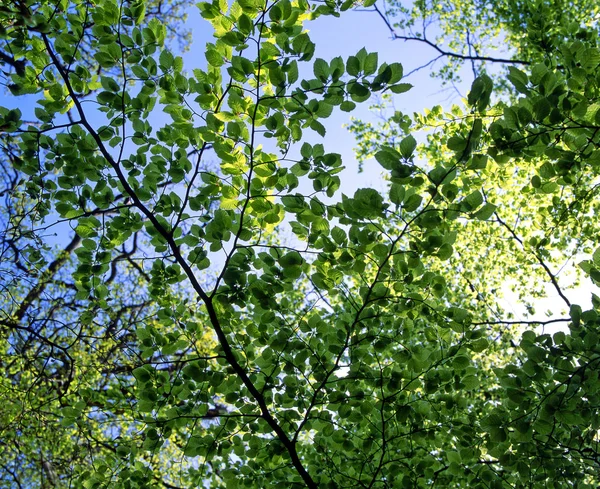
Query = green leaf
x=291 y=259
x=358 y=92
x=397 y=73
x=306 y=150
x=485 y=212
x=166 y=60
x=353 y=66
x=388 y=158
x=109 y=84
x=397 y=193
x=480 y=93
x=368 y=202
x=347 y=106
x=470 y=382
x=542 y=108
x=400 y=87
x=473 y=201
x=370 y=64
x=318 y=127
x=321 y=69
x=138 y=11
x=407 y=146
x=519 y=79
x=412 y=203
x=214 y=58
x=457 y=144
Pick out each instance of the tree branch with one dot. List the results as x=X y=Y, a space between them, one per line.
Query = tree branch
x=538 y=259
x=442 y=52
x=171 y=243
x=17 y=64
x=36 y=291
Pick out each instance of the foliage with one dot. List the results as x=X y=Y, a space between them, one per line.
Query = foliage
x=179 y=339
x=79 y=28
x=485 y=34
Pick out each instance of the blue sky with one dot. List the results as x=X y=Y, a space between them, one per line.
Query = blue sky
x=345 y=36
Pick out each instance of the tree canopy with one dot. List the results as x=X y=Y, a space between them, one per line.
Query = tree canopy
x=217 y=312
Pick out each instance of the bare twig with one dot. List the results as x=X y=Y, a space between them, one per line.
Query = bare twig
x=441 y=51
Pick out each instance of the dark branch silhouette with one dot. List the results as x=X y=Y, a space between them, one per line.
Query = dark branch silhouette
x=442 y=52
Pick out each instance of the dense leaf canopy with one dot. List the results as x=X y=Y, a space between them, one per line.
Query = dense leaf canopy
x=191 y=299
